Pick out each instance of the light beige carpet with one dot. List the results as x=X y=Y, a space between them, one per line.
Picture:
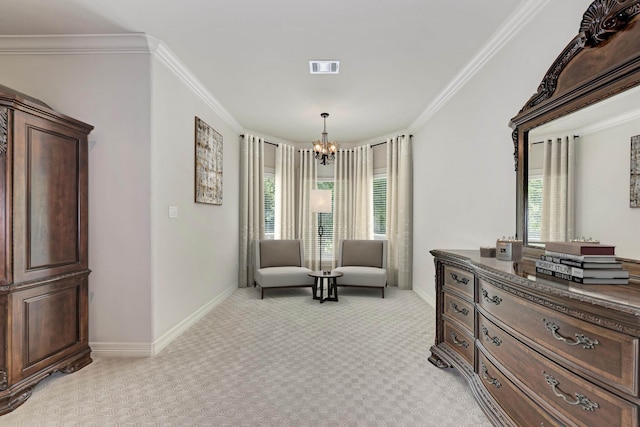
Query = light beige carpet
x=283 y=361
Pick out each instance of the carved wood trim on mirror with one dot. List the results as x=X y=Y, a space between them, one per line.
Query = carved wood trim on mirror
x=603 y=60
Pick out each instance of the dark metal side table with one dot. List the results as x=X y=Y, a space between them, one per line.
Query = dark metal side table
x=322 y=277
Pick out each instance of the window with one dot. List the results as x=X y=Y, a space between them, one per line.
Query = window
x=534 y=208
x=269 y=205
x=327 y=223
x=380 y=207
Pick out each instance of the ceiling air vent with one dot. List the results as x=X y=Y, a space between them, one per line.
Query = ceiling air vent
x=324 y=67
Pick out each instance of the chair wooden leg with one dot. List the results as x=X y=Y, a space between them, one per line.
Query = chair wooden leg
x=261 y=293
x=382 y=292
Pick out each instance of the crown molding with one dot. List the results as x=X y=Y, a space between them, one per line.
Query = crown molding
x=503 y=35
x=70 y=44
x=103 y=44
x=610 y=122
x=158 y=49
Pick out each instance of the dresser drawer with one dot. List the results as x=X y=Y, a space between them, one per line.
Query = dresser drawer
x=577 y=399
x=460 y=340
x=519 y=407
x=459 y=279
x=460 y=310
x=607 y=355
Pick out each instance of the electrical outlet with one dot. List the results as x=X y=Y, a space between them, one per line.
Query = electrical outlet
x=173 y=212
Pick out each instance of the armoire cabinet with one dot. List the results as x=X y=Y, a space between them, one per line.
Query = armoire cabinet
x=43 y=245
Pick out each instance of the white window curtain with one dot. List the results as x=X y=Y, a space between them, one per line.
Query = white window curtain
x=558 y=189
x=285 y=223
x=400 y=212
x=251 y=204
x=353 y=194
x=308 y=221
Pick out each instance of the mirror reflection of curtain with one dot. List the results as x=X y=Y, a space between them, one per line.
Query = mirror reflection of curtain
x=307 y=220
x=400 y=212
x=353 y=213
x=558 y=189
x=251 y=204
x=285 y=191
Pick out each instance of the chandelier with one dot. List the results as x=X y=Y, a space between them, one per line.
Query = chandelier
x=324 y=150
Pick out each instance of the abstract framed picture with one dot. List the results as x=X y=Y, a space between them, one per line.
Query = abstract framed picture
x=208 y=164
x=634 y=196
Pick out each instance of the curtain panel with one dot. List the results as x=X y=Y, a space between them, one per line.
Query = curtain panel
x=251 y=204
x=558 y=189
x=353 y=195
x=307 y=221
x=285 y=197
x=399 y=220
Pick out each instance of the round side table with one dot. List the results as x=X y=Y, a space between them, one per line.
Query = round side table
x=320 y=279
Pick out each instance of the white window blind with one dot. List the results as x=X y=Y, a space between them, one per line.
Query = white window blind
x=380 y=206
x=534 y=208
x=269 y=205
x=327 y=224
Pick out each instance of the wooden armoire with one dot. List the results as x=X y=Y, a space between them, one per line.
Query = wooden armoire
x=44 y=265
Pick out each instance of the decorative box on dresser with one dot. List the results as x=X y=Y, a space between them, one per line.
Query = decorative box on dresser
x=538 y=352
x=43 y=245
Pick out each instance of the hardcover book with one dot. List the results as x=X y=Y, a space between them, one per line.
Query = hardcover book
x=580 y=248
x=545 y=273
x=581 y=264
x=585 y=258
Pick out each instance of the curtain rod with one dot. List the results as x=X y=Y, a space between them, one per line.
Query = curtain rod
x=372 y=145
x=540 y=142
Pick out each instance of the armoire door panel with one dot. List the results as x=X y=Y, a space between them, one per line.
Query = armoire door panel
x=48 y=324
x=52 y=204
x=52 y=324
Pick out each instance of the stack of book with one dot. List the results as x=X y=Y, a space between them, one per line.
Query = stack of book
x=580 y=262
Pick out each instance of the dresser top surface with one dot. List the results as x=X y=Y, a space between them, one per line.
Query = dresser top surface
x=625 y=298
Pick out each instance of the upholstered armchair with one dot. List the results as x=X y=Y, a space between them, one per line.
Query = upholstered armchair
x=363 y=263
x=278 y=264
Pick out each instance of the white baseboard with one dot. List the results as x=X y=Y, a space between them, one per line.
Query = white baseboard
x=118 y=349
x=426 y=297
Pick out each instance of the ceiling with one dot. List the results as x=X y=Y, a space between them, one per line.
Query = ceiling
x=396 y=56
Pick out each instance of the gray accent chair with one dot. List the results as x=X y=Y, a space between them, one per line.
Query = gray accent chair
x=278 y=264
x=363 y=263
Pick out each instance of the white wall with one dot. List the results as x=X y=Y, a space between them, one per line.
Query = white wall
x=111 y=92
x=464 y=179
x=195 y=256
x=152 y=276
x=602 y=189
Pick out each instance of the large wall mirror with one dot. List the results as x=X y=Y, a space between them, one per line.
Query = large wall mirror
x=573 y=138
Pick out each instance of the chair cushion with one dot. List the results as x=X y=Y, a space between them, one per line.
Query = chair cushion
x=280 y=253
x=366 y=253
x=362 y=276
x=274 y=277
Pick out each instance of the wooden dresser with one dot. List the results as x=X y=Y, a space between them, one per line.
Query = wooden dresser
x=536 y=352
x=43 y=245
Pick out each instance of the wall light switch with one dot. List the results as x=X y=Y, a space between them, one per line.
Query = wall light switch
x=173 y=212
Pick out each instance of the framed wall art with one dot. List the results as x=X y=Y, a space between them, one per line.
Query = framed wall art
x=208 y=164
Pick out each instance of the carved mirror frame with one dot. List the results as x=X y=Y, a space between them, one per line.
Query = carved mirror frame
x=601 y=61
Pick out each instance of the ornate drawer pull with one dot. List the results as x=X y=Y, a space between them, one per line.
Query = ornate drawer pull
x=495 y=340
x=495 y=299
x=586 y=342
x=494 y=382
x=463 y=281
x=455 y=308
x=458 y=342
x=581 y=400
